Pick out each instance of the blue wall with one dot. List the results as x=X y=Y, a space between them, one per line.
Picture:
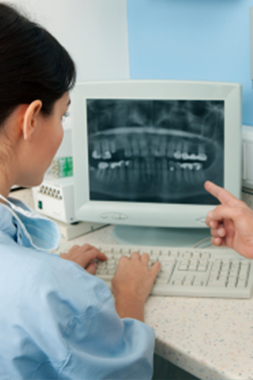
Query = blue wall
x=194 y=40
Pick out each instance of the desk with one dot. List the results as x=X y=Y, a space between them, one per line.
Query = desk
x=209 y=338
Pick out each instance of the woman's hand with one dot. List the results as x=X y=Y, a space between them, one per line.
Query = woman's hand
x=132 y=284
x=231 y=222
x=86 y=256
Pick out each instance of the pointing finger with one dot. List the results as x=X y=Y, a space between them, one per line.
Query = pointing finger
x=221 y=194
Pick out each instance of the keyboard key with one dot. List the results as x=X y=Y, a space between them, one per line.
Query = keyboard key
x=231 y=284
x=107 y=251
x=177 y=282
x=111 y=264
x=205 y=255
x=218 y=283
x=155 y=252
x=117 y=250
x=154 y=256
x=187 y=255
x=125 y=251
x=174 y=253
x=164 y=259
x=203 y=265
x=166 y=269
x=241 y=283
x=188 y=281
x=197 y=282
x=161 y=281
x=183 y=265
x=196 y=255
x=102 y=264
x=193 y=265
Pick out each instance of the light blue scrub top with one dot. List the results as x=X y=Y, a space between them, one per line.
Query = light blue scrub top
x=56 y=320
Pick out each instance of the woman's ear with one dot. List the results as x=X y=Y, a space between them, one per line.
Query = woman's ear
x=31 y=119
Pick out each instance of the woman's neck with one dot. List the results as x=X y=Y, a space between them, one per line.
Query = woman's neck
x=8 y=165
x=5 y=183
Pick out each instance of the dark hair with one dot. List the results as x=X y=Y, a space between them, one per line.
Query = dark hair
x=33 y=64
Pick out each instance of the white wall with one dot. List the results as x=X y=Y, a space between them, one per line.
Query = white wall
x=93 y=31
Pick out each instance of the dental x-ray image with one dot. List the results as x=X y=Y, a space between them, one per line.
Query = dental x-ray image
x=158 y=151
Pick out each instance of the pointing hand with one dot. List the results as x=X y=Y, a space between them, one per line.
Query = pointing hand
x=231 y=222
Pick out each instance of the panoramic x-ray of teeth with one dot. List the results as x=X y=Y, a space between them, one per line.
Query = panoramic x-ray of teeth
x=158 y=151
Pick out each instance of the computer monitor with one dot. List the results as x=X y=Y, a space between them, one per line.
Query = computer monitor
x=142 y=151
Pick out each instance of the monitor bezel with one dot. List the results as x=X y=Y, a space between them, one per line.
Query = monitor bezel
x=156 y=214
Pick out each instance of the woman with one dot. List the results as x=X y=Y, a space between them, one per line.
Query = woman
x=57 y=319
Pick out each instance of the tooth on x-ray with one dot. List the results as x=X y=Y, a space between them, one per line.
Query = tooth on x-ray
x=177 y=155
x=155 y=150
x=96 y=155
x=103 y=165
x=116 y=164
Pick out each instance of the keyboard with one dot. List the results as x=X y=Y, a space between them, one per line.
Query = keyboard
x=215 y=272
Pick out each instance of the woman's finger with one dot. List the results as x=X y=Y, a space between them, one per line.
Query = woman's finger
x=74 y=248
x=145 y=257
x=86 y=256
x=135 y=255
x=154 y=270
x=91 y=268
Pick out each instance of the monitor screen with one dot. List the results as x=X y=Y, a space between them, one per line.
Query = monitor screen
x=159 y=151
x=142 y=150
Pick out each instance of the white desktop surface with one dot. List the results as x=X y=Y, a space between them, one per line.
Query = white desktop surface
x=209 y=338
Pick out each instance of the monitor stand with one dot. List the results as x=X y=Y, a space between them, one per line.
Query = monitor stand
x=159 y=236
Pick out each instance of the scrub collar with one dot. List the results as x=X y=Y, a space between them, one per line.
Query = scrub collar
x=34 y=230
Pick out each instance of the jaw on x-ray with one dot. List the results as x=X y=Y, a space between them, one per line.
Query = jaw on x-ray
x=155 y=150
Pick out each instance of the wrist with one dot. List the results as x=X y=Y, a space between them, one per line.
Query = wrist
x=129 y=307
